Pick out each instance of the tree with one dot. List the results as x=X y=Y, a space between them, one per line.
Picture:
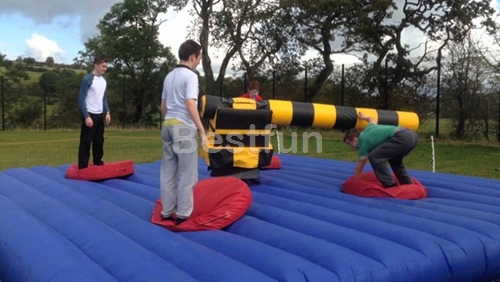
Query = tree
x=2 y=59
x=255 y=30
x=441 y=22
x=329 y=27
x=17 y=72
x=466 y=90
x=49 y=61
x=204 y=10
x=66 y=112
x=29 y=61
x=243 y=28
x=128 y=36
x=48 y=81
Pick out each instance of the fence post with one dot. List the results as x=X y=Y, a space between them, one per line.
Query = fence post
x=498 y=126
x=244 y=84
x=305 y=85
x=386 y=90
x=342 y=86
x=438 y=91
x=45 y=103
x=274 y=84
x=221 y=86
x=3 y=104
x=123 y=103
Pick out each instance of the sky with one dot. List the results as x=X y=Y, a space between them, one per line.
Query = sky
x=58 y=28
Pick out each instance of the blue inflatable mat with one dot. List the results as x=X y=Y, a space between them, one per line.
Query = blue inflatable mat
x=300 y=227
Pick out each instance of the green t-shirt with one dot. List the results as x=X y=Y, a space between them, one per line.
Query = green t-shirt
x=372 y=136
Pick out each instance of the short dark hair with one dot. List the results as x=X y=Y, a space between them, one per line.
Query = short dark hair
x=254 y=85
x=99 y=60
x=188 y=48
x=351 y=134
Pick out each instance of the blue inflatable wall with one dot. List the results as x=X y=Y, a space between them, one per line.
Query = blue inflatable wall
x=300 y=227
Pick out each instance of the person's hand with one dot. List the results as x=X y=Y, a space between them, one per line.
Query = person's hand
x=89 y=122
x=357 y=175
x=107 y=120
x=364 y=117
x=204 y=140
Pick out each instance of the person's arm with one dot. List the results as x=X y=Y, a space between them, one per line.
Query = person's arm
x=359 y=167
x=195 y=116
x=163 y=108
x=84 y=88
x=362 y=116
x=105 y=103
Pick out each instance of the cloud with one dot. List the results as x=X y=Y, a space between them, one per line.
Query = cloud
x=40 y=47
x=45 y=11
x=172 y=30
x=86 y=14
x=89 y=12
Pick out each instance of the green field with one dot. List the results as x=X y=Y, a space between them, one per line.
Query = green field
x=34 y=148
x=53 y=148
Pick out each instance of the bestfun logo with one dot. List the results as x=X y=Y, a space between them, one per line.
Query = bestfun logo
x=234 y=140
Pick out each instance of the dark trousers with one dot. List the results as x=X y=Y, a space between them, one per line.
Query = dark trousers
x=393 y=151
x=91 y=136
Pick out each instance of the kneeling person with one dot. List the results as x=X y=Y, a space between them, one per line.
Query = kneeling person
x=380 y=144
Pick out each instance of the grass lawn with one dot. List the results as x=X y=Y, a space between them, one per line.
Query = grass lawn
x=53 y=148
x=449 y=157
x=34 y=148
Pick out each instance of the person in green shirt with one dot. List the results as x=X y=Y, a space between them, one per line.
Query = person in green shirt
x=381 y=144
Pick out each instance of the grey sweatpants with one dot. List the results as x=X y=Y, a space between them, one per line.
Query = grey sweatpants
x=393 y=150
x=179 y=170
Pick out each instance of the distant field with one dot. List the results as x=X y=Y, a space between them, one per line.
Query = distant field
x=34 y=148
x=53 y=148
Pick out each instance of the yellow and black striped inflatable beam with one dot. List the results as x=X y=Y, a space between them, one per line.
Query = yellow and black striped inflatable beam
x=285 y=113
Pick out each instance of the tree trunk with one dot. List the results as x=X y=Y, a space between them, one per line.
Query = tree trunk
x=204 y=41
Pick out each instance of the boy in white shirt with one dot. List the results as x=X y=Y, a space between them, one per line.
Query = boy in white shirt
x=93 y=103
x=179 y=107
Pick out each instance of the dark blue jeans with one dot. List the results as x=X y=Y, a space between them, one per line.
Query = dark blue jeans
x=393 y=150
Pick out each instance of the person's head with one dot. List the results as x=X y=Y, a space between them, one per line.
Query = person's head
x=190 y=53
x=351 y=137
x=253 y=88
x=100 y=65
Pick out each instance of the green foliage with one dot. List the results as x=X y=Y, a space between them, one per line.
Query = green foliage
x=469 y=91
x=16 y=73
x=270 y=39
x=2 y=59
x=128 y=36
x=29 y=61
x=66 y=113
x=50 y=61
x=54 y=148
x=29 y=114
x=48 y=81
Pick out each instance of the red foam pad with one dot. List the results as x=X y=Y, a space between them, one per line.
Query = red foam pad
x=370 y=186
x=275 y=163
x=218 y=202
x=101 y=172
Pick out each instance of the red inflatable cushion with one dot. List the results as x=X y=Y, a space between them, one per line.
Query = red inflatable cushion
x=218 y=202
x=101 y=172
x=370 y=186
x=275 y=163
